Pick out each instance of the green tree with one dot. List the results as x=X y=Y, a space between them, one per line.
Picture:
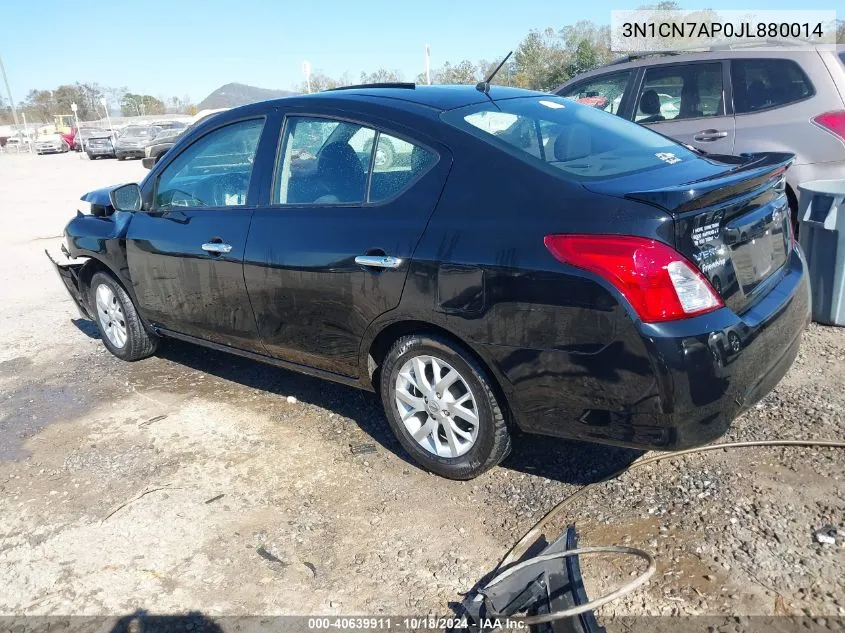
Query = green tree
x=540 y=60
x=136 y=104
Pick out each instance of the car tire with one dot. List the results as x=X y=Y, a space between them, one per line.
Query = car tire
x=91 y=156
x=120 y=327
x=65 y=147
x=489 y=442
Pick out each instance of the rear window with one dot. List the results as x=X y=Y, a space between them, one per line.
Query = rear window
x=571 y=139
x=760 y=84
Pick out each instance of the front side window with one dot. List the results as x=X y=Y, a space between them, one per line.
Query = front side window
x=578 y=141
x=604 y=93
x=326 y=162
x=682 y=91
x=759 y=84
x=214 y=171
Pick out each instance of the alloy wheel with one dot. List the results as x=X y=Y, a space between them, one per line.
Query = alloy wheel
x=437 y=406
x=110 y=313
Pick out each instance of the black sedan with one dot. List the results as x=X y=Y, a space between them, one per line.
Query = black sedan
x=535 y=263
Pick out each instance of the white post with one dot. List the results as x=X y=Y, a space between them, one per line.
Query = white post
x=306 y=70
x=26 y=133
x=427 y=65
x=105 y=103
x=74 y=108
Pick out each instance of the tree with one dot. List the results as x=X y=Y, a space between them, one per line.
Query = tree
x=540 y=61
x=587 y=45
x=39 y=105
x=319 y=82
x=840 y=31
x=465 y=72
x=136 y=105
x=381 y=76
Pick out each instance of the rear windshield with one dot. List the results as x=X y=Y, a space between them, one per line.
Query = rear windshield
x=137 y=131
x=581 y=142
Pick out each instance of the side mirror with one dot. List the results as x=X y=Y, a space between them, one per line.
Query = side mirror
x=126 y=197
x=149 y=162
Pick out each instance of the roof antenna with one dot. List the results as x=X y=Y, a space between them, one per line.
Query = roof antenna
x=484 y=86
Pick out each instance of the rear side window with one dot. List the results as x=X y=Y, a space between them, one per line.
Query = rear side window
x=680 y=91
x=604 y=93
x=760 y=84
x=327 y=162
x=568 y=138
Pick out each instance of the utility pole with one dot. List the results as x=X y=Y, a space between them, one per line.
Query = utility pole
x=9 y=92
x=427 y=65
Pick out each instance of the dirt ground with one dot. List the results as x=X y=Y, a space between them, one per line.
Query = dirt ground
x=199 y=481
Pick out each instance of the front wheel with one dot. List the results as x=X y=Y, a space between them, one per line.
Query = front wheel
x=120 y=327
x=442 y=407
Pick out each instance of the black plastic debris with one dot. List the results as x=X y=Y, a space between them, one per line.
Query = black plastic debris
x=541 y=589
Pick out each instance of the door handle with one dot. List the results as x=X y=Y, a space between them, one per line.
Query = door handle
x=379 y=261
x=710 y=135
x=216 y=247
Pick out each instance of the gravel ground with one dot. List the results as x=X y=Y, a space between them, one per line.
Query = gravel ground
x=111 y=476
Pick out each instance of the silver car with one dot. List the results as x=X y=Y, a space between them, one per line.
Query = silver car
x=734 y=101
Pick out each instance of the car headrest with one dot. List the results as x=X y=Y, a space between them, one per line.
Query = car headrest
x=338 y=155
x=574 y=141
x=650 y=103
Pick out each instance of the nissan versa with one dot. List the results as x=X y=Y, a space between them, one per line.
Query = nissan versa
x=534 y=264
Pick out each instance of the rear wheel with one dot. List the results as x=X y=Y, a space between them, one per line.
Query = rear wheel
x=120 y=327
x=442 y=407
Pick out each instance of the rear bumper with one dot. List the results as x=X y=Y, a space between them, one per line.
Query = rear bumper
x=100 y=151
x=68 y=270
x=662 y=386
x=129 y=153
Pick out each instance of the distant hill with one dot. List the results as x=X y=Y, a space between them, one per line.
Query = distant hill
x=232 y=95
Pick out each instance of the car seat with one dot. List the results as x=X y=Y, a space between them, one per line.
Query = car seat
x=339 y=174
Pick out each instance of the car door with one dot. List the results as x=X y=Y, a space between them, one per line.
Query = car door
x=185 y=250
x=331 y=251
x=687 y=102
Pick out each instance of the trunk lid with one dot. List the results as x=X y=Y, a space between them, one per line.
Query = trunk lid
x=731 y=217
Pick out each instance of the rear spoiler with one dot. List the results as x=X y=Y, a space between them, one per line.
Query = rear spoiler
x=755 y=171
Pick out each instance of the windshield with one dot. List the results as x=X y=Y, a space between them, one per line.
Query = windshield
x=578 y=141
x=137 y=131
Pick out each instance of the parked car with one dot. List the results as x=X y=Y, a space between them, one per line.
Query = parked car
x=133 y=139
x=83 y=134
x=159 y=146
x=543 y=271
x=17 y=143
x=50 y=144
x=734 y=101
x=100 y=145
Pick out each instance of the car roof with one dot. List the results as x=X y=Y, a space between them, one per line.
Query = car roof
x=439 y=98
x=677 y=57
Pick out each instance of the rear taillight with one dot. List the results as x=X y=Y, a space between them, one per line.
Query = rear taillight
x=833 y=122
x=658 y=282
